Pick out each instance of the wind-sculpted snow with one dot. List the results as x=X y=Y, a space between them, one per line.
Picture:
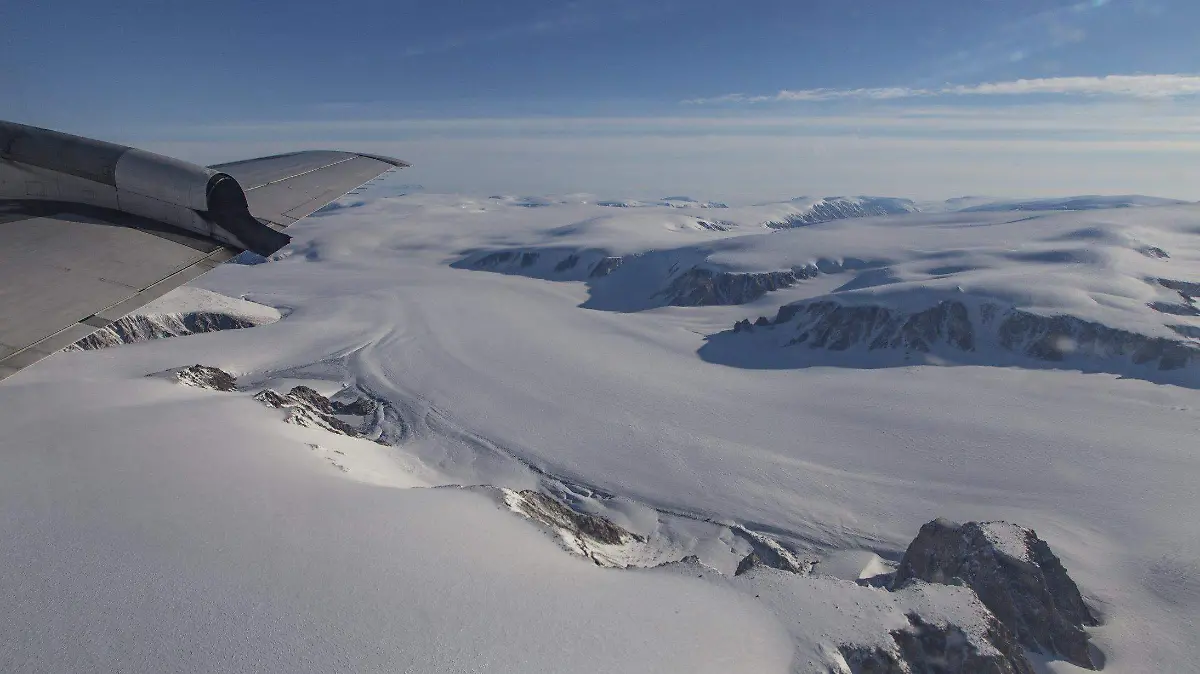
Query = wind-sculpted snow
x=208 y=508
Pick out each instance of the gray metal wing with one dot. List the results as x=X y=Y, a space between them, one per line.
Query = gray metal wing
x=284 y=188
x=90 y=231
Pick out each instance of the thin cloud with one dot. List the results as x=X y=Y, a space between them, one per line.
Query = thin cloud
x=1131 y=86
x=1109 y=119
x=1138 y=86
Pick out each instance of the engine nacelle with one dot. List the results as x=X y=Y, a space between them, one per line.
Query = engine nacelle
x=48 y=165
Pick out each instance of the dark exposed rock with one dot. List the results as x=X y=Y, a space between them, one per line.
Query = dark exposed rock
x=838 y=327
x=705 y=287
x=925 y=648
x=768 y=552
x=1188 y=292
x=831 y=325
x=556 y=514
x=135 y=328
x=528 y=259
x=771 y=559
x=1175 y=309
x=309 y=408
x=567 y=263
x=362 y=407
x=1189 y=331
x=688 y=202
x=748 y=562
x=1052 y=338
x=840 y=208
x=271 y=399
x=310 y=396
x=1016 y=576
x=606 y=266
x=716 y=225
x=742 y=326
x=203 y=376
x=493 y=259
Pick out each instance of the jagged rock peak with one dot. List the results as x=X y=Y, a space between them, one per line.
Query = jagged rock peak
x=203 y=376
x=138 y=328
x=1016 y=576
x=310 y=408
x=556 y=514
x=769 y=552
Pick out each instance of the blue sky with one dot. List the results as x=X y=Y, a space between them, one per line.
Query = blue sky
x=734 y=100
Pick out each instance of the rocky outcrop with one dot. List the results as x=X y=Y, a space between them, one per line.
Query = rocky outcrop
x=585 y=534
x=606 y=266
x=566 y=263
x=715 y=225
x=698 y=287
x=140 y=328
x=1053 y=338
x=840 y=208
x=838 y=327
x=952 y=326
x=536 y=263
x=308 y=408
x=927 y=648
x=203 y=376
x=1188 y=292
x=770 y=553
x=1016 y=576
x=183 y=311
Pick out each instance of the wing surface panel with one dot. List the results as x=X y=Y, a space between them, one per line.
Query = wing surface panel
x=67 y=269
x=65 y=273
x=283 y=202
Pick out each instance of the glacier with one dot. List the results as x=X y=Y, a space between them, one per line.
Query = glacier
x=569 y=377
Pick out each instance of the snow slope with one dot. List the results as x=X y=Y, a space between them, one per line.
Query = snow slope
x=602 y=390
x=1089 y=202
x=183 y=311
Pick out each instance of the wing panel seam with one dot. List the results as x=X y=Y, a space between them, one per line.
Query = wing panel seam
x=84 y=321
x=302 y=173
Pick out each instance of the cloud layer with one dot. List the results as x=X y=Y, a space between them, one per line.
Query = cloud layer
x=1135 y=86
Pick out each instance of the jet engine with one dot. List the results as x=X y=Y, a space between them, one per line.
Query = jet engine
x=44 y=165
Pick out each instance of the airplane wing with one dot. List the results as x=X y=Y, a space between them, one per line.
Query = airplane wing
x=284 y=188
x=90 y=231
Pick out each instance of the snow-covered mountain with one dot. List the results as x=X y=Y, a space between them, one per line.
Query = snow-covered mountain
x=705 y=444
x=803 y=211
x=669 y=202
x=1080 y=203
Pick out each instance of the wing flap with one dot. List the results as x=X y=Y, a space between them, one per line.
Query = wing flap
x=283 y=201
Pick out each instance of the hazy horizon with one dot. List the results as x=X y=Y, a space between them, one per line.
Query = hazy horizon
x=641 y=99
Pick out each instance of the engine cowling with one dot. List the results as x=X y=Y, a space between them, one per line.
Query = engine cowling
x=49 y=165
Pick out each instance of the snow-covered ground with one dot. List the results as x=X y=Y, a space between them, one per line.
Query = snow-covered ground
x=590 y=352
x=183 y=311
